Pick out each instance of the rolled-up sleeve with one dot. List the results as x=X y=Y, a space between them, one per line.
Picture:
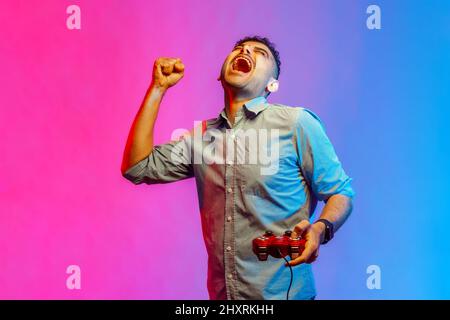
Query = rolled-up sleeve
x=166 y=163
x=318 y=160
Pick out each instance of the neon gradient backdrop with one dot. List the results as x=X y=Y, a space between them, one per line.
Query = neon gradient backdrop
x=68 y=98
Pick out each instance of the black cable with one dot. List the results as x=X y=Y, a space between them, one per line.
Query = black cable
x=292 y=275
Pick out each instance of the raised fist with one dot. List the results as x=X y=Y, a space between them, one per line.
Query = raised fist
x=167 y=72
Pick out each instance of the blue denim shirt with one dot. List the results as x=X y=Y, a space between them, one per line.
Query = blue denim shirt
x=241 y=194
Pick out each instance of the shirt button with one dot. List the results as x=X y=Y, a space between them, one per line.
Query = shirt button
x=230 y=190
x=230 y=276
x=229 y=218
x=228 y=248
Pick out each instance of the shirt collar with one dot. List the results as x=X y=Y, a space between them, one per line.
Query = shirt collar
x=254 y=106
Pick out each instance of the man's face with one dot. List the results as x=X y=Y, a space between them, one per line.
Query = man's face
x=248 y=68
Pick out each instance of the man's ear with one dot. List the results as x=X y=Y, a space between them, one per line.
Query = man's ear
x=273 y=85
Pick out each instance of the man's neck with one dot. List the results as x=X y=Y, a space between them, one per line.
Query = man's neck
x=233 y=104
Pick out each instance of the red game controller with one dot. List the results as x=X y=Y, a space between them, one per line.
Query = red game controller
x=278 y=246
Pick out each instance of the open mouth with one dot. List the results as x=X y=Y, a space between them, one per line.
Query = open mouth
x=242 y=64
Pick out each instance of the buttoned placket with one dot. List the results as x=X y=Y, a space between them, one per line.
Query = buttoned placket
x=230 y=206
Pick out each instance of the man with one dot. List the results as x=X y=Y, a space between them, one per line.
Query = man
x=238 y=200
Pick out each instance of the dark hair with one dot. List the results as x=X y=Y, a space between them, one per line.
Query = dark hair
x=268 y=44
